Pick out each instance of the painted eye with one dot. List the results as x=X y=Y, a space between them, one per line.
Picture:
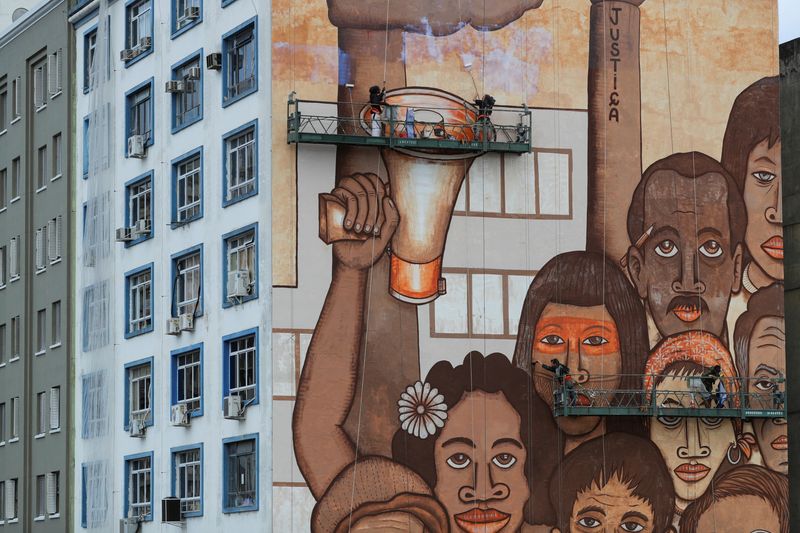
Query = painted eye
x=712 y=422
x=633 y=527
x=504 y=460
x=711 y=249
x=459 y=461
x=666 y=248
x=595 y=340
x=765 y=385
x=670 y=421
x=552 y=339
x=589 y=522
x=764 y=177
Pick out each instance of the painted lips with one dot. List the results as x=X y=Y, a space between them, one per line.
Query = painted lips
x=687 y=313
x=781 y=443
x=482 y=520
x=692 y=472
x=774 y=247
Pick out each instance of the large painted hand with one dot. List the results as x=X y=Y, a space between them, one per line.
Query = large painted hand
x=369 y=212
x=442 y=17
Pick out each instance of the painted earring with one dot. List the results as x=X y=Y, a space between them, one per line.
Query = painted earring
x=732 y=447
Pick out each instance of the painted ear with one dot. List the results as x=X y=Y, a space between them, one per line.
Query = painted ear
x=737 y=268
x=635 y=271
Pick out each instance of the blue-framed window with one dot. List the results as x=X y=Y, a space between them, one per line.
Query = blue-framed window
x=240 y=474
x=187 y=282
x=139 y=115
x=138 y=31
x=139 y=301
x=94 y=407
x=186 y=14
x=240 y=266
x=139 y=392
x=240 y=365
x=89 y=57
x=187 y=478
x=187 y=100
x=240 y=62
x=187 y=187
x=187 y=378
x=240 y=163
x=94 y=509
x=138 y=491
x=139 y=208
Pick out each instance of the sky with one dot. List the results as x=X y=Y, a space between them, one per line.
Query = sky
x=789 y=19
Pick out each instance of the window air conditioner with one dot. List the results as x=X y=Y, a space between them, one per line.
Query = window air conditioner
x=191 y=13
x=174 y=86
x=179 y=415
x=127 y=54
x=238 y=283
x=124 y=235
x=129 y=525
x=145 y=43
x=142 y=227
x=232 y=408
x=137 y=428
x=173 y=326
x=194 y=73
x=214 y=61
x=186 y=321
x=171 y=510
x=136 y=146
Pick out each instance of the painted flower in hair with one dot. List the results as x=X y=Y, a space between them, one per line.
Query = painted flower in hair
x=422 y=410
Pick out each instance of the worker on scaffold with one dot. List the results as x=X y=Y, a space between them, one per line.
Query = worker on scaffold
x=376 y=100
x=565 y=382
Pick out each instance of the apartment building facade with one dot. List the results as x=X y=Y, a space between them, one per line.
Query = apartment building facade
x=172 y=161
x=35 y=272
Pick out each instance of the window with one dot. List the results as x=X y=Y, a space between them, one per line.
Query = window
x=240 y=474
x=39 y=80
x=95 y=316
x=241 y=276
x=94 y=500
x=187 y=187
x=53 y=494
x=138 y=31
x=187 y=478
x=15 y=332
x=3 y=107
x=15 y=174
x=139 y=301
x=240 y=365
x=41 y=414
x=187 y=378
x=89 y=58
x=3 y=511
x=40 y=249
x=41 y=168
x=187 y=282
x=54 y=232
x=13 y=429
x=85 y=147
x=15 y=113
x=54 y=62
x=3 y=266
x=139 y=207
x=3 y=188
x=12 y=500
x=41 y=331
x=239 y=62
x=13 y=259
x=2 y=436
x=138 y=486
x=94 y=406
x=97 y=227
x=55 y=324
x=240 y=165
x=55 y=409
x=187 y=102
x=139 y=392
x=57 y=156
x=40 y=498
x=139 y=113
x=185 y=15
x=3 y=358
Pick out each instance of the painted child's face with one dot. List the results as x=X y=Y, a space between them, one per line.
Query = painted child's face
x=743 y=514
x=612 y=508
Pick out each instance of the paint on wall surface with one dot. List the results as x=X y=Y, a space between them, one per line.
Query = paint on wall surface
x=425 y=294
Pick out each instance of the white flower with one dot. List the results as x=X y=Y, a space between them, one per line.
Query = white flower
x=422 y=410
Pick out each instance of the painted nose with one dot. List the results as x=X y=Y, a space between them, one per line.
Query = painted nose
x=773 y=215
x=693 y=446
x=499 y=491
x=688 y=281
x=574 y=361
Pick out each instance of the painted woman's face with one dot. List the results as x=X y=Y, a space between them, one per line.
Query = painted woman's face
x=762 y=198
x=480 y=465
x=586 y=340
x=611 y=509
x=693 y=448
x=742 y=514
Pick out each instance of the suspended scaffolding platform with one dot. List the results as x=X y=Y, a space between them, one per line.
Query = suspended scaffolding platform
x=412 y=118
x=672 y=396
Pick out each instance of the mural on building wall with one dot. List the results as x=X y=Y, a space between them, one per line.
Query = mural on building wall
x=677 y=290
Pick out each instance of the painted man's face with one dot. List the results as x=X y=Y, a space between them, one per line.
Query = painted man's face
x=687 y=269
x=742 y=514
x=762 y=198
x=767 y=361
x=586 y=340
x=693 y=448
x=480 y=465
x=611 y=509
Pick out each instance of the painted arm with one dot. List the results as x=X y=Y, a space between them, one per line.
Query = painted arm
x=330 y=374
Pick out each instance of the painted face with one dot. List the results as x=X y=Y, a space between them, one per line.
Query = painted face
x=395 y=522
x=742 y=514
x=480 y=467
x=693 y=448
x=768 y=361
x=687 y=269
x=611 y=509
x=762 y=198
x=586 y=340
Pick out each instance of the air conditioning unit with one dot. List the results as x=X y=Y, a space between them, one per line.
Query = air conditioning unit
x=136 y=146
x=171 y=510
x=127 y=54
x=137 y=428
x=173 y=326
x=129 y=525
x=191 y=13
x=174 y=86
x=124 y=235
x=214 y=61
x=179 y=415
x=238 y=283
x=186 y=321
x=232 y=408
x=145 y=43
x=194 y=73
x=142 y=227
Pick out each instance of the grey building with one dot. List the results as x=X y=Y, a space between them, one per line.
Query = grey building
x=35 y=222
